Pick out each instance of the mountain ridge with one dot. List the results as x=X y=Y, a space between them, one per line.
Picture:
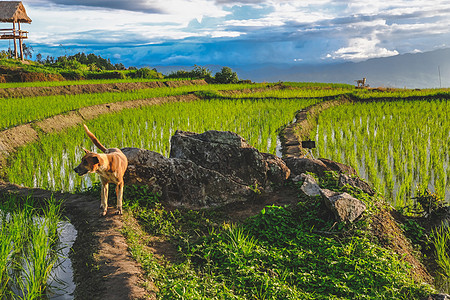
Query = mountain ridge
x=411 y=70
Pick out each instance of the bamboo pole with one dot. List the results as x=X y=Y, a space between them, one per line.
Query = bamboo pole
x=14 y=38
x=20 y=42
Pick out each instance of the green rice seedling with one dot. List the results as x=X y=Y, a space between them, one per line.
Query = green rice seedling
x=48 y=162
x=401 y=93
x=29 y=247
x=6 y=248
x=396 y=145
x=441 y=242
x=17 y=111
x=79 y=82
x=39 y=261
x=20 y=229
x=291 y=93
x=315 y=85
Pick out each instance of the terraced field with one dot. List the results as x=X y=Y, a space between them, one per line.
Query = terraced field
x=197 y=254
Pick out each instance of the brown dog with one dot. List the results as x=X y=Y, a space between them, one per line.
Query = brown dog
x=110 y=166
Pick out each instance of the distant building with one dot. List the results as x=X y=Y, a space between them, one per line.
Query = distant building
x=14 y=12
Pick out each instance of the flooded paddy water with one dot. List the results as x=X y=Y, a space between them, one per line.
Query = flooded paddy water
x=35 y=258
x=62 y=285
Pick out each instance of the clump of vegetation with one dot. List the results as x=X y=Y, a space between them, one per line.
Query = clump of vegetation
x=429 y=204
x=198 y=72
x=441 y=243
x=428 y=229
x=29 y=246
x=75 y=67
x=225 y=76
x=146 y=73
x=284 y=252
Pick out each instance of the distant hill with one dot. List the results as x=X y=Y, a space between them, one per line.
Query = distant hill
x=419 y=70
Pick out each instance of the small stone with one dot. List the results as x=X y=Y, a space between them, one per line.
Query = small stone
x=344 y=207
x=310 y=186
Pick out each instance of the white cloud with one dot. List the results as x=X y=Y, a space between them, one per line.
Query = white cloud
x=362 y=49
x=222 y=34
x=347 y=30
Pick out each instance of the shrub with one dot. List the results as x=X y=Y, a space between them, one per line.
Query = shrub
x=146 y=73
x=226 y=75
x=197 y=72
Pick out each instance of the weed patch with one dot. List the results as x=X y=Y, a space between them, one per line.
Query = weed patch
x=284 y=252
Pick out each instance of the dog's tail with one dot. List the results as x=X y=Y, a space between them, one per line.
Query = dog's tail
x=94 y=139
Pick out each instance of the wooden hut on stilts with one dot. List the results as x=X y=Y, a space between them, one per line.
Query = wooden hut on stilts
x=14 y=12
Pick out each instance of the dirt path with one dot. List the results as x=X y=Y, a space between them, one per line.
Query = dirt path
x=103 y=267
x=305 y=121
x=92 y=88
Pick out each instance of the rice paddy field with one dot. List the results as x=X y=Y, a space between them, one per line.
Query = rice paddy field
x=17 y=111
x=398 y=146
x=398 y=140
x=258 y=121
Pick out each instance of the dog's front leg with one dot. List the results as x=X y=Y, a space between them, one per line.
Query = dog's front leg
x=119 y=194
x=104 y=197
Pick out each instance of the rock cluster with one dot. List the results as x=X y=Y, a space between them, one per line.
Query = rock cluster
x=316 y=166
x=205 y=170
x=215 y=168
x=344 y=207
x=230 y=155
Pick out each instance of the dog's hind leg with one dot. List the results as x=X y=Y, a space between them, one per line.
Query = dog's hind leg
x=119 y=194
x=104 y=197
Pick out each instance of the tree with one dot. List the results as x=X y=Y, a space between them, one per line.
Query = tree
x=50 y=60
x=39 y=58
x=27 y=51
x=119 y=66
x=226 y=75
x=201 y=72
x=147 y=73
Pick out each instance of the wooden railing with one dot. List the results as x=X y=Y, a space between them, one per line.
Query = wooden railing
x=9 y=34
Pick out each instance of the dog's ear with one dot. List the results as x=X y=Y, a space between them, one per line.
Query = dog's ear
x=95 y=160
x=86 y=150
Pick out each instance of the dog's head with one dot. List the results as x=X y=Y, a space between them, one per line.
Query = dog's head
x=90 y=163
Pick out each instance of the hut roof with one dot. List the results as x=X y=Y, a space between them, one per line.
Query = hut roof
x=13 y=11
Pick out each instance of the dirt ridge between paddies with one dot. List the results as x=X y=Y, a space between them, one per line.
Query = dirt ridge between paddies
x=18 y=92
x=305 y=120
x=13 y=138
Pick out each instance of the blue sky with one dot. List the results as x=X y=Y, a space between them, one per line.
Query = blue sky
x=236 y=33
